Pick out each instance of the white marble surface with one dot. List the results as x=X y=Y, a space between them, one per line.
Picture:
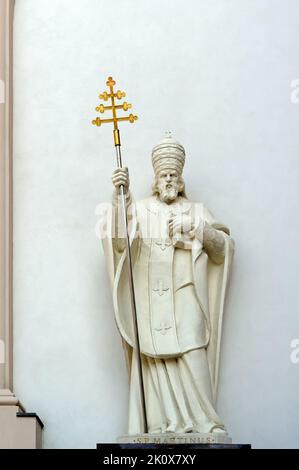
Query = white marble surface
x=218 y=74
x=181 y=249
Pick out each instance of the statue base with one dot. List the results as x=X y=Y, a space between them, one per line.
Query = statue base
x=173 y=438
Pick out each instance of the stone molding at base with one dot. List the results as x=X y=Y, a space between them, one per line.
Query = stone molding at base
x=7 y=398
x=19 y=430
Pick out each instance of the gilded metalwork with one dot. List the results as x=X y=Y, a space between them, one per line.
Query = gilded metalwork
x=112 y=95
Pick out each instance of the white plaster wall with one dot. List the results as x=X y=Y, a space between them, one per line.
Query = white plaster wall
x=218 y=73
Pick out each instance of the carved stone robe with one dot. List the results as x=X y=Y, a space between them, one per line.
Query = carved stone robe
x=180 y=291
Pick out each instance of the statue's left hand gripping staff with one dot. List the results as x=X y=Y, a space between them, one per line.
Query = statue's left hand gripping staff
x=112 y=95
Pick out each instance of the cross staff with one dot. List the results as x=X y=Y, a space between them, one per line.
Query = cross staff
x=115 y=119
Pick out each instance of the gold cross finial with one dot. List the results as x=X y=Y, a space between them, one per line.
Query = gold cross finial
x=112 y=95
x=110 y=82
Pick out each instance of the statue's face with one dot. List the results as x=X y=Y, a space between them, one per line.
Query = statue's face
x=168 y=185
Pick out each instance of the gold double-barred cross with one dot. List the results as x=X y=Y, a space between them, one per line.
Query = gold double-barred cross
x=112 y=95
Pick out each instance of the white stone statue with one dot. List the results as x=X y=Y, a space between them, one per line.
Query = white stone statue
x=181 y=263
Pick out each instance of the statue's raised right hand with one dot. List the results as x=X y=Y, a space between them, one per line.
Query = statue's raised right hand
x=120 y=177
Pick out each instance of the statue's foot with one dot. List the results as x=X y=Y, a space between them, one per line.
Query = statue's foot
x=217 y=429
x=171 y=428
x=155 y=431
x=189 y=427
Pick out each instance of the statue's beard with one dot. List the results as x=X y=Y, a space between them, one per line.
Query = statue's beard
x=168 y=194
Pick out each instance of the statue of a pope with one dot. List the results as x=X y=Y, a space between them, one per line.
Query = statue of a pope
x=181 y=261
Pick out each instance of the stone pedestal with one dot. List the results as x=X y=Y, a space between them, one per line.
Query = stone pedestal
x=19 y=430
x=172 y=438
